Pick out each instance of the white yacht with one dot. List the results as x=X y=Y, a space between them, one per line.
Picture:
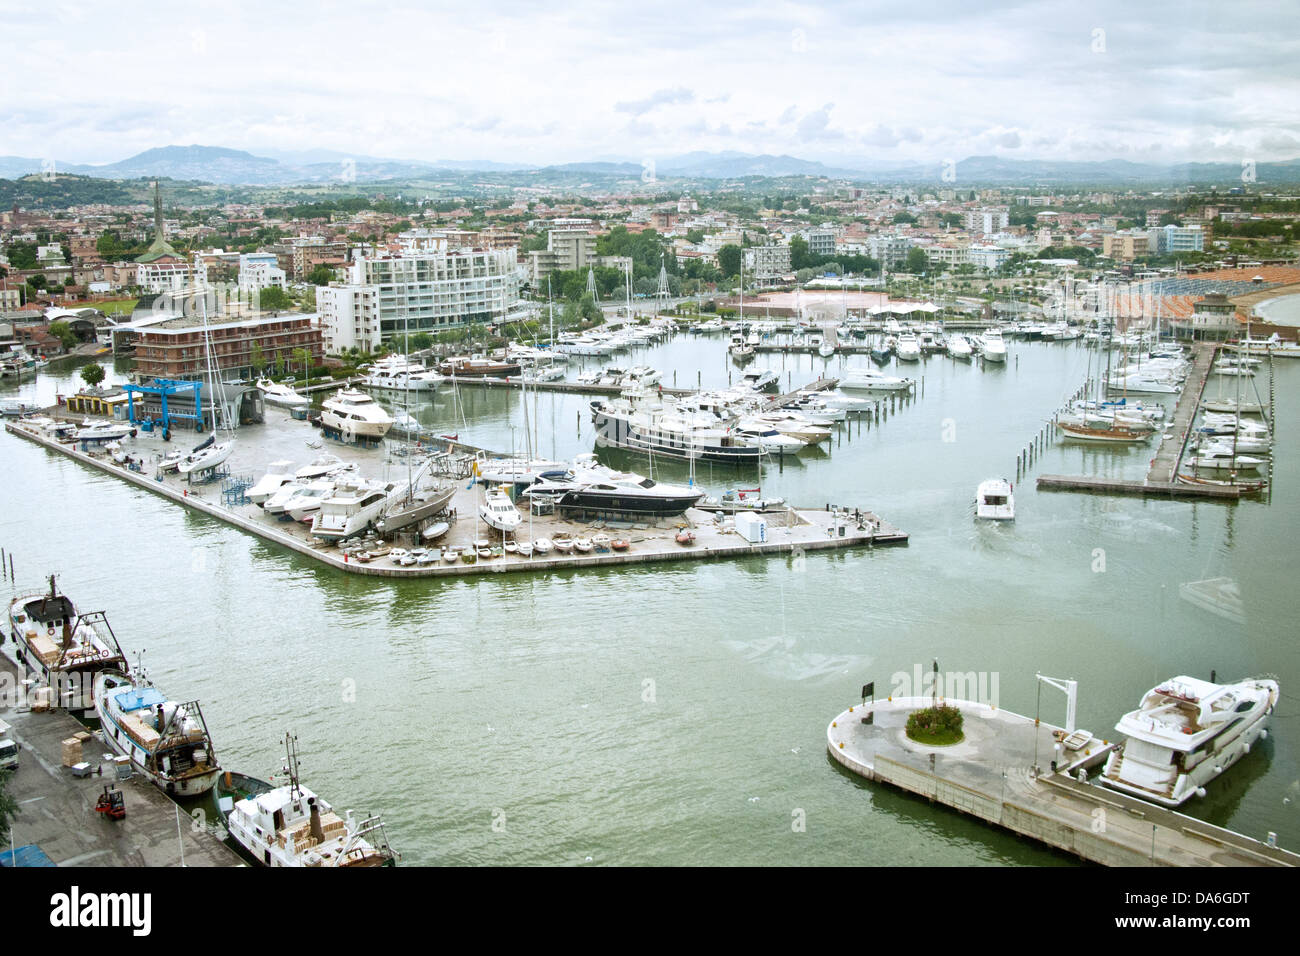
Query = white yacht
x=1184 y=734
x=992 y=347
x=275 y=478
x=995 y=501
x=400 y=375
x=306 y=499
x=771 y=440
x=760 y=379
x=167 y=741
x=959 y=347
x=206 y=456
x=353 y=415
x=351 y=508
x=282 y=395
x=103 y=431
x=499 y=512
x=870 y=380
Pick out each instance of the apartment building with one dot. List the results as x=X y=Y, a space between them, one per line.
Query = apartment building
x=767 y=262
x=1125 y=246
x=175 y=348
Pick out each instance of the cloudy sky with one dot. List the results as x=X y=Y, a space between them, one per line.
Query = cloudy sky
x=543 y=83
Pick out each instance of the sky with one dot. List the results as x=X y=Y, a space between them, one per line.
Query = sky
x=844 y=83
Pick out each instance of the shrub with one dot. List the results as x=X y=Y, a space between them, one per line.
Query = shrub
x=943 y=723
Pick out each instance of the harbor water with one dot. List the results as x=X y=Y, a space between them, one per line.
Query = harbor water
x=676 y=713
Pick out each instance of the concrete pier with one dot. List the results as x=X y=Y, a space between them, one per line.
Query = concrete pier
x=991 y=775
x=790 y=531
x=1164 y=467
x=57 y=810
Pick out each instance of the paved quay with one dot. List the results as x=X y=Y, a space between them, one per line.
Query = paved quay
x=990 y=775
x=281 y=438
x=57 y=810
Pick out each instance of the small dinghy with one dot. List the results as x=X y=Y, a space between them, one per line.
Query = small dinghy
x=685 y=537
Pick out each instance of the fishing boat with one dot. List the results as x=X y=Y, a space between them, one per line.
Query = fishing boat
x=995 y=501
x=166 y=741
x=1185 y=733
x=290 y=826
x=61 y=648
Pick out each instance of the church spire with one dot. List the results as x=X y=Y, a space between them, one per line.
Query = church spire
x=159 y=248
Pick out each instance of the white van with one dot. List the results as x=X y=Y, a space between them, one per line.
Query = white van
x=8 y=749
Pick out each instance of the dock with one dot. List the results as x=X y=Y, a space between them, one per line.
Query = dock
x=1000 y=774
x=1164 y=467
x=1162 y=474
x=791 y=531
x=57 y=810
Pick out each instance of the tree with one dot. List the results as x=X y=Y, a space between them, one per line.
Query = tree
x=588 y=309
x=729 y=258
x=321 y=275
x=916 y=262
x=695 y=236
x=108 y=245
x=421 y=340
x=256 y=358
x=273 y=299
x=92 y=374
x=63 y=332
x=904 y=217
x=8 y=807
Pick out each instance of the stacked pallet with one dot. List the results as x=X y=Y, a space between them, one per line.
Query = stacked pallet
x=71 y=752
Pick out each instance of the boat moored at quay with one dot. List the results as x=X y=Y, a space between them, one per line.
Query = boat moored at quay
x=62 y=649
x=1185 y=733
x=645 y=425
x=167 y=741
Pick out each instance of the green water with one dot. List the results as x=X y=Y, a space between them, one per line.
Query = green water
x=677 y=713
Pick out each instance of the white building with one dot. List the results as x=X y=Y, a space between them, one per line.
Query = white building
x=164 y=275
x=821 y=242
x=767 y=262
x=387 y=296
x=260 y=270
x=986 y=221
x=348 y=317
x=989 y=258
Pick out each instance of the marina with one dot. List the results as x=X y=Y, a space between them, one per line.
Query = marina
x=763 y=598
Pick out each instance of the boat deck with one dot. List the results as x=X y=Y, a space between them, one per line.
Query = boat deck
x=990 y=775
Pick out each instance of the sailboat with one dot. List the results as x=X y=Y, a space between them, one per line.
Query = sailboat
x=210 y=453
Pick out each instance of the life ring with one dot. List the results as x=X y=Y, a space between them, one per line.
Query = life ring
x=49 y=632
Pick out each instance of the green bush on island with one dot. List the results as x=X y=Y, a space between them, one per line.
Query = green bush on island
x=935 y=726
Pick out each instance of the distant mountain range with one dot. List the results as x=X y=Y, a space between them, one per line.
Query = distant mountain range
x=224 y=166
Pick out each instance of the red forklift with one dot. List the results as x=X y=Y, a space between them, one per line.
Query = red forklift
x=111 y=803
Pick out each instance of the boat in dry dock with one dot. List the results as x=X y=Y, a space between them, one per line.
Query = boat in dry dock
x=62 y=648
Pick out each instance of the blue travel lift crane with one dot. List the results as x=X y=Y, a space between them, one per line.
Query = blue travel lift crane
x=165 y=388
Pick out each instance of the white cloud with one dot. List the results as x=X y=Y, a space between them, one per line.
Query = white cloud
x=1200 y=80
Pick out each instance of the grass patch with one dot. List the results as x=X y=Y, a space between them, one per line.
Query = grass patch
x=936 y=726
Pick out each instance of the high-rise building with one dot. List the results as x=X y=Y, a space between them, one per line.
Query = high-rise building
x=388 y=296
